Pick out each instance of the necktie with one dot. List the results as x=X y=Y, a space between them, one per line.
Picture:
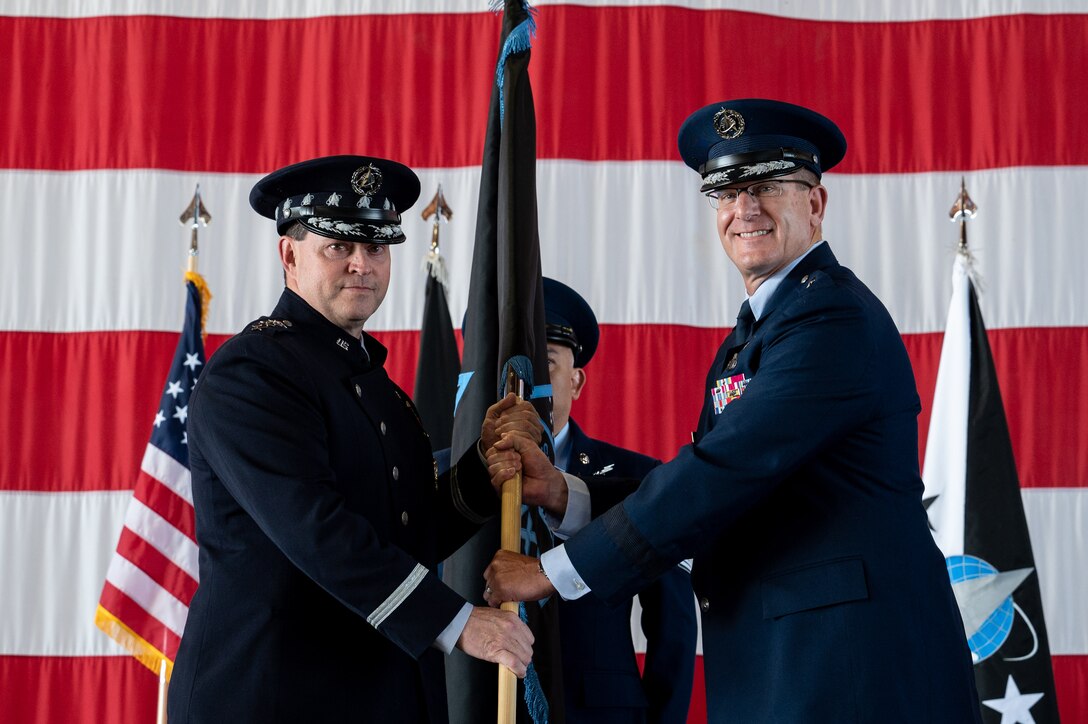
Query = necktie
x=743 y=330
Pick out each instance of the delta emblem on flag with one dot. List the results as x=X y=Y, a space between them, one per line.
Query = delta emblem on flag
x=152 y=575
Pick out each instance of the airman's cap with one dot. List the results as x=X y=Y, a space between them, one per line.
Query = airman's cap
x=354 y=198
x=570 y=321
x=753 y=139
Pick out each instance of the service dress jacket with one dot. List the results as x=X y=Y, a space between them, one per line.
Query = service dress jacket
x=601 y=679
x=822 y=594
x=320 y=518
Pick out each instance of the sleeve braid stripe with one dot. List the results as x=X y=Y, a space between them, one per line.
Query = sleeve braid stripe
x=459 y=501
x=402 y=592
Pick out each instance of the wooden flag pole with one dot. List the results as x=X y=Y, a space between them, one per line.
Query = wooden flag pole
x=160 y=715
x=510 y=540
x=194 y=216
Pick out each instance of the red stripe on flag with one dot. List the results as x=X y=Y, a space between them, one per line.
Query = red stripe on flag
x=142 y=623
x=1071 y=686
x=148 y=559
x=885 y=84
x=659 y=369
x=1043 y=373
x=76 y=690
x=185 y=93
x=174 y=509
x=118 y=690
x=93 y=397
x=138 y=92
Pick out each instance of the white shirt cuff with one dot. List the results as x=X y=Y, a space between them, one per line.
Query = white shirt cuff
x=560 y=571
x=447 y=640
x=578 y=511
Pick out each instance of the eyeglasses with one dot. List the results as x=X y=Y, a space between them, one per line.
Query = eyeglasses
x=724 y=198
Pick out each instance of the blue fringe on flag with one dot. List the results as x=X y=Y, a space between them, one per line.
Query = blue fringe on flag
x=523 y=368
x=520 y=39
x=535 y=701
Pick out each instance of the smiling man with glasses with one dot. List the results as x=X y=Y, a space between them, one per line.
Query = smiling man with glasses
x=823 y=596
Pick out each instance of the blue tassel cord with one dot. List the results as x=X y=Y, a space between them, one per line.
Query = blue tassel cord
x=519 y=40
x=535 y=701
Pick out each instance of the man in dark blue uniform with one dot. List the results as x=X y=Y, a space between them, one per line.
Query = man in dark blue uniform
x=601 y=681
x=823 y=596
x=320 y=513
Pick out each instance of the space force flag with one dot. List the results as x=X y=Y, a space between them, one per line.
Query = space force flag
x=504 y=325
x=972 y=494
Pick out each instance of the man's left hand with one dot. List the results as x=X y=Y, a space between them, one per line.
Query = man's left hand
x=514 y=577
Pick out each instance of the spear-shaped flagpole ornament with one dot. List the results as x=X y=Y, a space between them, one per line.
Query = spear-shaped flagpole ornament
x=439 y=362
x=963 y=211
x=442 y=213
x=195 y=216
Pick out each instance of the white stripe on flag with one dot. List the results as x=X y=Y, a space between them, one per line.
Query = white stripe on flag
x=55 y=549
x=1058 y=523
x=168 y=471
x=625 y=274
x=145 y=591
x=163 y=536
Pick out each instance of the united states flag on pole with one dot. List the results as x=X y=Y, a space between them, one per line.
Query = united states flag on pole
x=153 y=573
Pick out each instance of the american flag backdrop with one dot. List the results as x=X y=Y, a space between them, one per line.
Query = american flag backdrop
x=111 y=112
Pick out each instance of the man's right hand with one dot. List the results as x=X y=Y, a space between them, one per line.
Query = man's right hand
x=499 y=637
x=541 y=483
x=510 y=416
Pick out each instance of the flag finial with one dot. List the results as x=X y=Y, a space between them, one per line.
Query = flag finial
x=440 y=210
x=963 y=210
x=194 y=216
x=433 y=263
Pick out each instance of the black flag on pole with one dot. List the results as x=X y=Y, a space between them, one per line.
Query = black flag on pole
x=977 y=514
x=439 y=363
x=504 y=324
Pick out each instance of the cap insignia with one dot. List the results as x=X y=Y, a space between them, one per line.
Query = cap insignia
x=366 y=180
x=766 y=167
x=370 y=231
x=307 y=199
x=363 y=202
x=728 y=123
x=333 y=200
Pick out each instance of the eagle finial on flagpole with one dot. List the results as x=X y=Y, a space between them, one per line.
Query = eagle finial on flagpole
x=194 y=216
